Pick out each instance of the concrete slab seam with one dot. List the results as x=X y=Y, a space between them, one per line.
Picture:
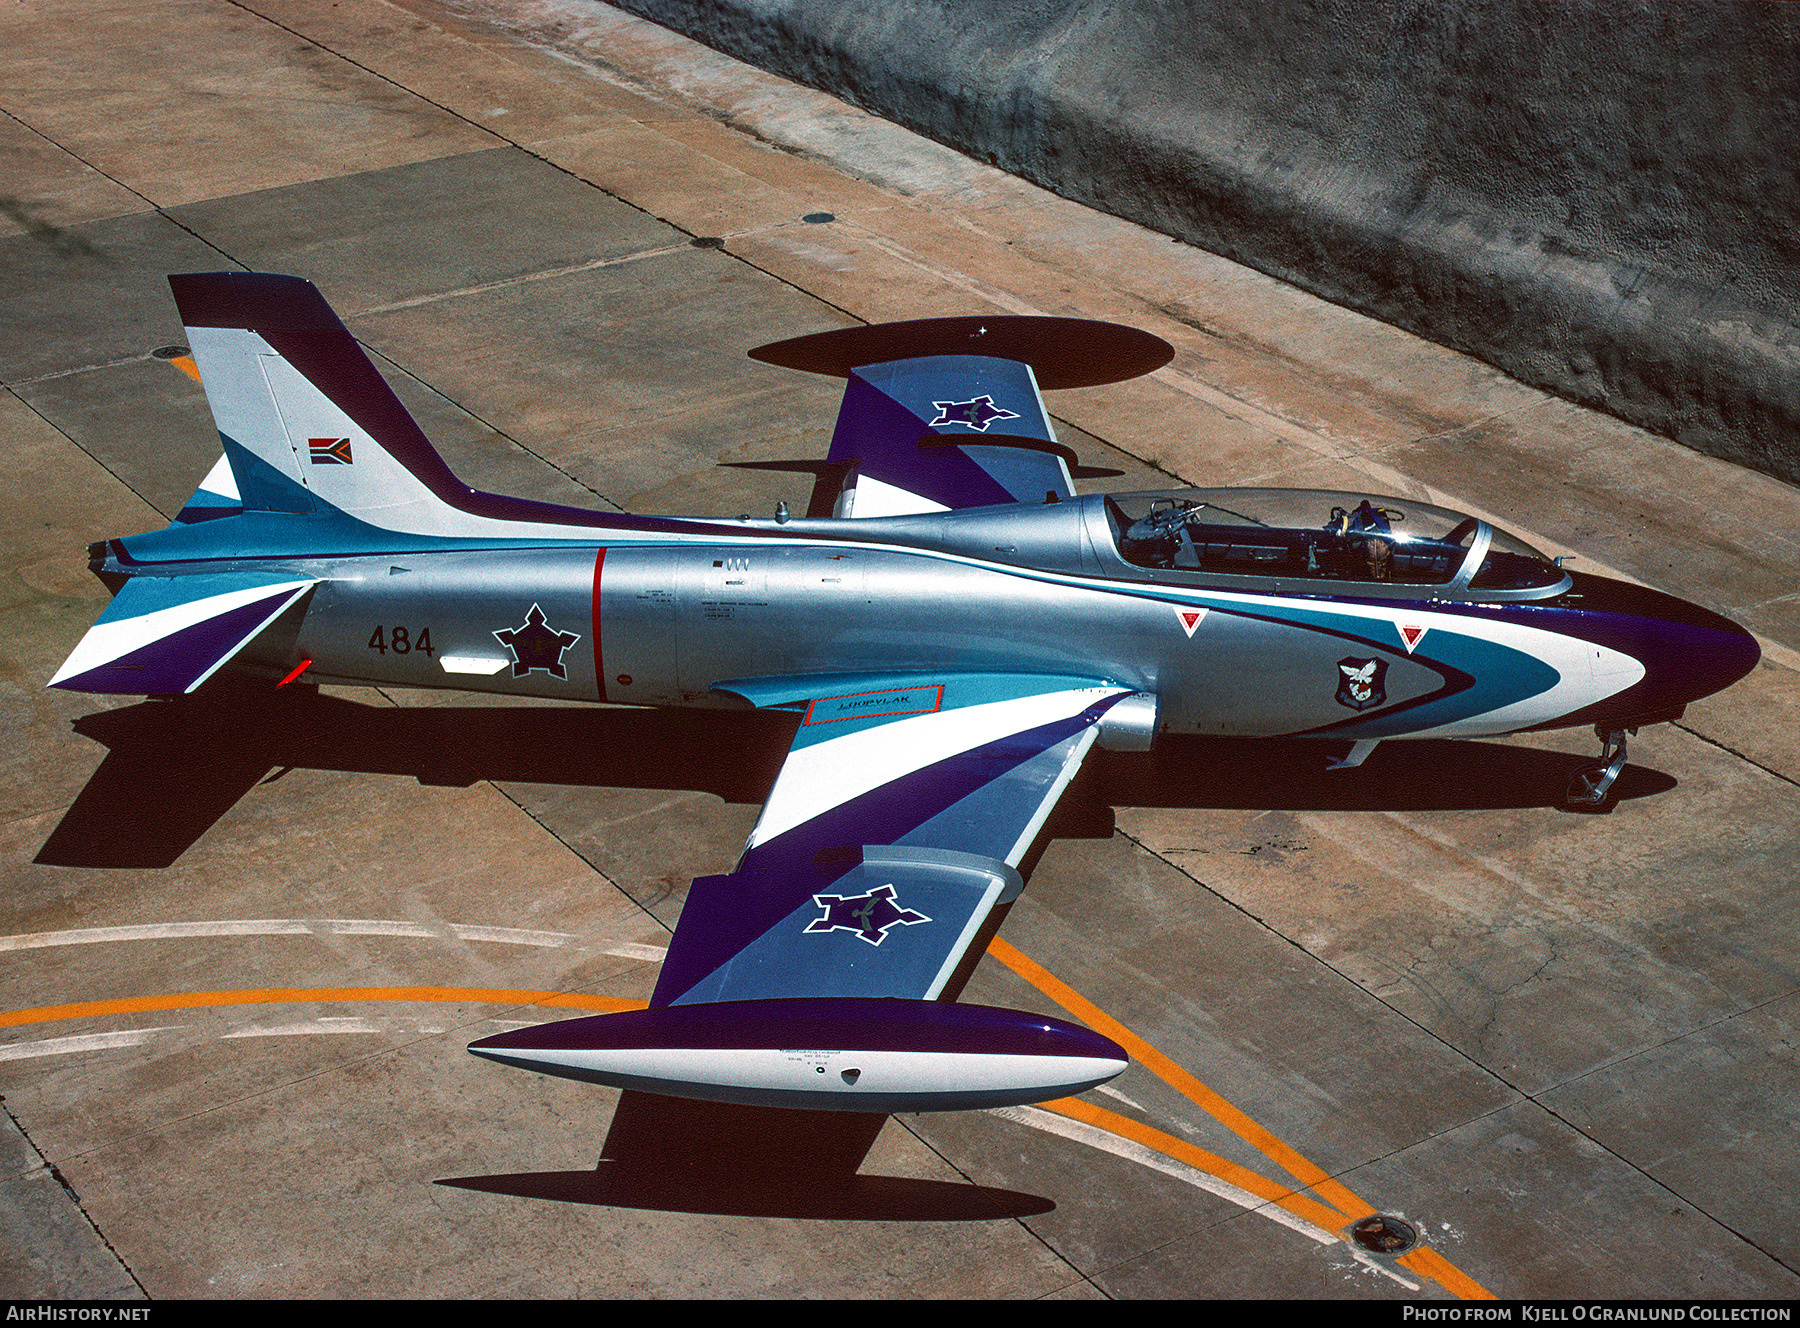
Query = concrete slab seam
x=75 y=1199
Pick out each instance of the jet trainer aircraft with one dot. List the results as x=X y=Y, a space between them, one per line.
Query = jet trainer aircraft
x=954 y=627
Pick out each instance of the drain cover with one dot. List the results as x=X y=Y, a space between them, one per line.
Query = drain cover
x=170 y=352
x=818 y=218
x=1385 y=1234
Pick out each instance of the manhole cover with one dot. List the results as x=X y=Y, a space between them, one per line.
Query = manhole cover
x=1385 y=1234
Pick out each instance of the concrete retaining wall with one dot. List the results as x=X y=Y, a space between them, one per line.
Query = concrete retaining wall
x=1601 y=198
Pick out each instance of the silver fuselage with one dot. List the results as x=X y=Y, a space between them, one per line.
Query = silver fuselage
x=665 y=621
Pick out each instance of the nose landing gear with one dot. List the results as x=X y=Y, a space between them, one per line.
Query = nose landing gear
x=1592 y=782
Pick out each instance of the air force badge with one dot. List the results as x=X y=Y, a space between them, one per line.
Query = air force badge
x=1362 y=683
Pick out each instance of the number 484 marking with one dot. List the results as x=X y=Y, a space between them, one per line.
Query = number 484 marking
x=401 y=641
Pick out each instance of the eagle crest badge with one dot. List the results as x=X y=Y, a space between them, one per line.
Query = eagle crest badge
x=1362 y=683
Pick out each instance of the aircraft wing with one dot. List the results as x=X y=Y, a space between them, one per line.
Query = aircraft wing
x=895 y=828
x=821 y=973
x=943 y=413
x=946 y=431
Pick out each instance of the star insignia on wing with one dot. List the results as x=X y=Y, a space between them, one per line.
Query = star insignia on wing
x=869 y=916
x=977 y=414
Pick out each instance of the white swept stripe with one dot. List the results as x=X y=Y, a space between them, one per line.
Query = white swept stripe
x=876 y=498
x=831 y=773
x=1587 y=672
x=107 y=641
x=220 y=482
x=1052 y=795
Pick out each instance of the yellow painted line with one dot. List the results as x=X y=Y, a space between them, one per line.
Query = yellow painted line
x=201 y=1000
x=186 y=364
x=1182 y=1151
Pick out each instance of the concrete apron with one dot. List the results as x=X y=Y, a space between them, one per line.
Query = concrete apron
x=1552 y=1043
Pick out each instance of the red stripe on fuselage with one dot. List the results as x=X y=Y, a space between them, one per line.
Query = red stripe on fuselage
x=599 y=664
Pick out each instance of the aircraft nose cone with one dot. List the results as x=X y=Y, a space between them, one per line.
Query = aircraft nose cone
x=1687 y=652
x=1696 y=654
x=1734 y=656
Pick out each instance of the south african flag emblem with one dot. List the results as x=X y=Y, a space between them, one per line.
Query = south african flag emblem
x=329 y=451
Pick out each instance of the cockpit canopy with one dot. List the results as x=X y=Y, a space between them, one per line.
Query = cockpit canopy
x=1308 y=535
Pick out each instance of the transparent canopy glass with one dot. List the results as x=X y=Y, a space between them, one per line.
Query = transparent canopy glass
x=1324 y=535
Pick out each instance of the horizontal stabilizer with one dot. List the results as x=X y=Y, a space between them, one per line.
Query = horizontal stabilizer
x=164 y=635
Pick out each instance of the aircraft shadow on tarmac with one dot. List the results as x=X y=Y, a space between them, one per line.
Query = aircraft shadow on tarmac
x=173 y=768
x=682 y=1156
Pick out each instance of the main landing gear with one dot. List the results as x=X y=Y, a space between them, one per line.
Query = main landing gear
x=1593 y=781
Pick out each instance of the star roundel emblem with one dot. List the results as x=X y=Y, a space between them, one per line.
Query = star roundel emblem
x=535 y=644
x=977 y=414
x=869 y=916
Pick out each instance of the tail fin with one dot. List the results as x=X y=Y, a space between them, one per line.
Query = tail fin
x=307 y=422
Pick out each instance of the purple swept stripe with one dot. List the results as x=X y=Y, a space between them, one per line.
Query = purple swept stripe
x=723 y=914
x=883 y=436
x=172 y=663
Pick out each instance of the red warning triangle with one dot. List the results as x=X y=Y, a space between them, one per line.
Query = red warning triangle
x=1190 y=618
x=1410 y=636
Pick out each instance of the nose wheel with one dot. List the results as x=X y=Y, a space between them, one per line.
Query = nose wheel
x=1593 y=781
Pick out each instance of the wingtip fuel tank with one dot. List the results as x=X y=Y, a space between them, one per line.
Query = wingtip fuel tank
x=844 y=1054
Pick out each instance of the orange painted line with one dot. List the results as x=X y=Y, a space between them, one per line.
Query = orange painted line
x=201 y=1000
x=1350 y=1208
x=186 y=364
x=1427 y=1262
x=1346 y=1209
x=1211 y=1163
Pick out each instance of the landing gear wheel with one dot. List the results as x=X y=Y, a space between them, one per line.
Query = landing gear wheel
x=1590 y=789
